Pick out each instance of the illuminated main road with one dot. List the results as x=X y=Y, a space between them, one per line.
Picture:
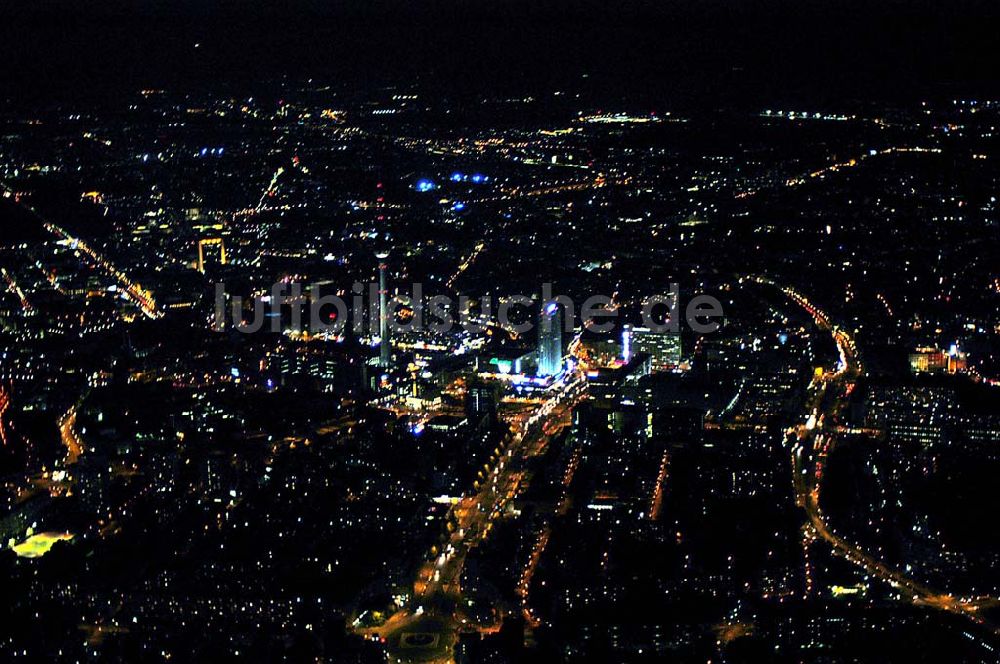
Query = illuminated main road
x=426 y=629
x=134 y=292
x=13 y=287
x=4 y=406
x=814 y=438
x=69 y=436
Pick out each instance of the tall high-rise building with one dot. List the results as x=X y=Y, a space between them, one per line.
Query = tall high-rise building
x=550 y=340
x=664 y=348
x=480 y=400
x=385 y=343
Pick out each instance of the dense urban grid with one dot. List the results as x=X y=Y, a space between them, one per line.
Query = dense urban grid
x=812 y=481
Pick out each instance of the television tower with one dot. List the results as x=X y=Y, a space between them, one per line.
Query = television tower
x=385 y=344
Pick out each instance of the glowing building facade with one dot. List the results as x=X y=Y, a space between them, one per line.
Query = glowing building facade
x=550 y=340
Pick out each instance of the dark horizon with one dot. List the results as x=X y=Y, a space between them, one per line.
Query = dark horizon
x=684 y=53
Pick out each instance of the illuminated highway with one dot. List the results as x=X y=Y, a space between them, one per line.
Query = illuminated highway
x=830 y=169
x=4 y=406
x=466 y=264
x=812 y=441
x=435 y=606
x=70 y=438
x=13 y=286
x=131 y=290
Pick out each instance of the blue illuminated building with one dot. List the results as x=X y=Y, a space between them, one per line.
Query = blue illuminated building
x=550 y=340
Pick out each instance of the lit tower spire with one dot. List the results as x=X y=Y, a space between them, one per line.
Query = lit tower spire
x=385 y=344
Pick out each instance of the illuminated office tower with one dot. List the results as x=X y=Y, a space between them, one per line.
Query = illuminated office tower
x=385 y=344
x=214 y=242
x=664 y=348
x=480 y=400
x=550 y=340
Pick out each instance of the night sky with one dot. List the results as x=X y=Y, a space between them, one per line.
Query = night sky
x=711 y=52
